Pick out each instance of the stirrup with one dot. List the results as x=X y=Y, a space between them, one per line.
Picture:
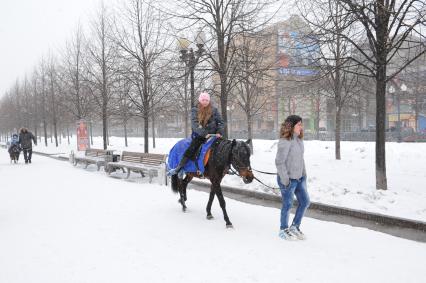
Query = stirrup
x=180 y=174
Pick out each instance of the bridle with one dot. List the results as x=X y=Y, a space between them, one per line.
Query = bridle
x=248 y=168
x=237 y=161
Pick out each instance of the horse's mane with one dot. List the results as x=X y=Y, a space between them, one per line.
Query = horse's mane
x=221 y=152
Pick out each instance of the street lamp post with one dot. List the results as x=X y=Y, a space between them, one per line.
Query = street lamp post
x=403 y=89
x=191 y=57
x=230 y=110
x=392 y=90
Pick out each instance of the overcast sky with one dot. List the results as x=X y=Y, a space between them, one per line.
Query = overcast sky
x=29 y=28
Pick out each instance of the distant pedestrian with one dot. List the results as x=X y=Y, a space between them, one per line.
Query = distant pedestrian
x=14 y=148
x=25 y=139
x=292 y=176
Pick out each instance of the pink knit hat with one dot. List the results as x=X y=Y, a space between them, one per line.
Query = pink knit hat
x=204 y=95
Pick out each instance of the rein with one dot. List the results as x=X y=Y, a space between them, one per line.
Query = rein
x=233 y=172
x=268 y=173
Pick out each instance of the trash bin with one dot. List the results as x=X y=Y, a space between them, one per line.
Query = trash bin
x=115 y=157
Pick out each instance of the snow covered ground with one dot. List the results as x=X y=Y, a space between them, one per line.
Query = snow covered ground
x=64 y=224
x=349 y=182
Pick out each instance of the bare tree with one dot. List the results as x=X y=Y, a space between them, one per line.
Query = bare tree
x=387 y=28
x=122 y=109
x=52 y=77
x=73 y=71
x=42 y=71
x=329 y=22
x=224 y=20
x=100 y=65
x=253 y=79
x=140 y=38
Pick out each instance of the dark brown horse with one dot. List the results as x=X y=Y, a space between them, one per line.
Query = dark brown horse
x=224 y=154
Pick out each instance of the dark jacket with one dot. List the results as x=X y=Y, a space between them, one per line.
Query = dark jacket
x=25 y=140
x=215 y=124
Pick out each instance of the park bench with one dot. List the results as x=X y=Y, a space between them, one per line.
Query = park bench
x=151 y=164
x=99 y=157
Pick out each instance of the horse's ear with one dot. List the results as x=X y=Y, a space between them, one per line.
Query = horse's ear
x=234 y=142
x=248 y=141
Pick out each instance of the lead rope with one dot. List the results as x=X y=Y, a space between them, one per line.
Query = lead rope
x=268 y=173
x=272 y=189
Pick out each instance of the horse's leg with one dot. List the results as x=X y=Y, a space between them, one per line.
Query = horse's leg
x=181 y=194
x=182 y=184
x=209 y=203
x=223 y=206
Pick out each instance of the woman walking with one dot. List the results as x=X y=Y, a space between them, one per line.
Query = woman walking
x=292 y=176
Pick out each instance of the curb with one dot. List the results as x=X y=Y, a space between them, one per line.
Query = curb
x=363 y=215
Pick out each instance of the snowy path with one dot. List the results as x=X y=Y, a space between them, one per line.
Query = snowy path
x=349 y=182
x=64 y=224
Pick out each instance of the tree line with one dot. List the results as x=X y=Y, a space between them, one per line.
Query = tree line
x=124 y=65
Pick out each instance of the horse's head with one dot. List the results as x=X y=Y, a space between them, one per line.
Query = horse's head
x=240 y=160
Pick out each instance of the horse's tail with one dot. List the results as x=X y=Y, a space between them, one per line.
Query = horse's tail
x=175 y=183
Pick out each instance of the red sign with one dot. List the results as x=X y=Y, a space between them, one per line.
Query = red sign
x=82 y=136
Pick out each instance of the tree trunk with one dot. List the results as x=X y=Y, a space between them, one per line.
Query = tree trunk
x=45 y=132
x=317 y=117
x=338 y=93
x=337 y=131
x=55 y=132
x=125 y=134
x=224 y=102
x=104 y=126
x=153 y=125
x=91 y=133
x=35 y=129
x=68 y=135
x=250 y=131
x=382 y=41
x=146 y=132
x=381 y=180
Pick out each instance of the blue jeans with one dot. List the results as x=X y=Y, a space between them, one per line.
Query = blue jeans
x=298 y=188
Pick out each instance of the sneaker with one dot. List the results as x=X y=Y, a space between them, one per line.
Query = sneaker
x=296 y=232
x=287 y=235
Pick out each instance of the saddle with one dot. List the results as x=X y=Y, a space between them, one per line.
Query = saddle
x=196 y=166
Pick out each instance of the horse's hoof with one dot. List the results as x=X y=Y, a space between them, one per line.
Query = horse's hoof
x=209 y=217
x=229 y=226
x=183 y=209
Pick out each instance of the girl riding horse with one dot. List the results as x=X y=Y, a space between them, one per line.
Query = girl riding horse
x=206 y=121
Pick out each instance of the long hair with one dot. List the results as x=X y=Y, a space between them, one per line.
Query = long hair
x=287 y=131
x=204 y=114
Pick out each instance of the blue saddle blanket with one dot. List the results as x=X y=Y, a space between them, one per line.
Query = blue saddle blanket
x=177 y=151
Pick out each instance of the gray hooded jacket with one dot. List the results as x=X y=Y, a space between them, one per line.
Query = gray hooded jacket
x=289 y=160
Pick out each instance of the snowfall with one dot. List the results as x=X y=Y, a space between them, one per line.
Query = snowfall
x=60 y=223
x=349 y=182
